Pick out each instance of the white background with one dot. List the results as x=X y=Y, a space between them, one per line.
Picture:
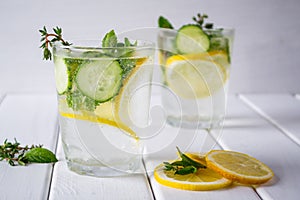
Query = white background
x=266 y=53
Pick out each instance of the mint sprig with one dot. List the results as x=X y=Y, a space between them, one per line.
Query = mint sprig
x=184 y=166
x=15 y=154
x=199 y=19
x=110 y=41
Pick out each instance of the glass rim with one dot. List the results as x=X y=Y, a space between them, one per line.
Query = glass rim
x=94 y=44
x=205 y=29
x=227 y=30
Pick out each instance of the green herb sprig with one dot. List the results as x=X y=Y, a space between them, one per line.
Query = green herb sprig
x=110 y=41
x=15 y=154
x=57 y=36
x=199 y=19
x=184 y=166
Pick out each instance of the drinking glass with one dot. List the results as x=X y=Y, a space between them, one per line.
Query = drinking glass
x=195 y=84
x=103 y=99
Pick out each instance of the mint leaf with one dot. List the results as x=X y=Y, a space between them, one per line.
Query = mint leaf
x=184 y=166
x=77 y=101
x=39 y=155
x=110 y=39
x=164 y=23
x=186 y=170
x=127 y=65
x=189 y=161
x=127 y=42
x=219 y=43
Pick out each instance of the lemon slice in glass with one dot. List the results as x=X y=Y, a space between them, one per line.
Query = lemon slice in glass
x=132 y=102
x=194 y=76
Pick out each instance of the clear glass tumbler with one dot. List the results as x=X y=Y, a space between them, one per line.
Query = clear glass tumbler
x=195 y=84
x=103 y=98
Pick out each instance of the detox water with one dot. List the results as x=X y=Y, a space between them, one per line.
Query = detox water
x=103 y=100
x=195 y=83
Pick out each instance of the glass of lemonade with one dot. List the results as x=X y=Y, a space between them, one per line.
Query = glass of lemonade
x=103 y=98
x=195 y=69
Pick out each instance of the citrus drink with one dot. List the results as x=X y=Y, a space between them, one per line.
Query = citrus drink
x=103 y=98
x=195 y=71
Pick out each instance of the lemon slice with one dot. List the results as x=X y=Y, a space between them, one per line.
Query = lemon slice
x=132 y=102
x=195 y=76
x=103 y=114
x=238 y=167
x=220 y=57
x=203 y=179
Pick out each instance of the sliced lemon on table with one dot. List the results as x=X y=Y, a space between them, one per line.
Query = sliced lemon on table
x=203 y=179
x=195 y=76
x=238 y=167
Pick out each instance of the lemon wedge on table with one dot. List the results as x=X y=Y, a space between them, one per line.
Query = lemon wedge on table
x=238 y=167
x=203 y=179
x=194 y=76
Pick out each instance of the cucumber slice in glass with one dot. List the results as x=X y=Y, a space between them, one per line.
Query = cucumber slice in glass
x=99 y=79
x=191 y=39
x=62 y=75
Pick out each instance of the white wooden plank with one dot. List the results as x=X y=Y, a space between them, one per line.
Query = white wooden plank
x=191 y=141
x=283 y=111
x=31 y=119
x=245 y=131
x=69 y=185
x=231 y=193
x=162 y=139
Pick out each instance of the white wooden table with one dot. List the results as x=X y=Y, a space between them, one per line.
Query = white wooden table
x=266 y=126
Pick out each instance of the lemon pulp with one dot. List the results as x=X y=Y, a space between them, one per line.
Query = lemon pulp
x=239 y=167
x=194 y=76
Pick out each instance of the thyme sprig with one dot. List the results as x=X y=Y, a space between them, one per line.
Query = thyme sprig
x=184 y=166
x=15 y=154
x=199 y=19
x=57 y=36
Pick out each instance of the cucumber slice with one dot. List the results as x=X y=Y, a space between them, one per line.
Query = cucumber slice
x=62 y=75
x=191 y=39
x=100 y=79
